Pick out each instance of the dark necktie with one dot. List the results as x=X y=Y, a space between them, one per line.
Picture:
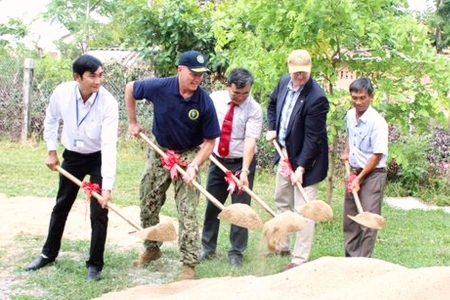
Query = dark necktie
x=225 y=136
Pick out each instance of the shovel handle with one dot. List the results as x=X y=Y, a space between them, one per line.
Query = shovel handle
x=183 y=172
x=355 y=193
x=96 y=195
x=246 y=188
x=300 y=187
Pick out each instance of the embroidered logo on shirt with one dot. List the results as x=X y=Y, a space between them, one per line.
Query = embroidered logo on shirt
x=193 y=114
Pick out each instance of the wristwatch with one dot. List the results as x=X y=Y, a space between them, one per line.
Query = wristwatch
x=245 y=170
x=192 y=165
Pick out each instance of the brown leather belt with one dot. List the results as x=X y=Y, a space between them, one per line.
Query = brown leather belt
x=356 y=171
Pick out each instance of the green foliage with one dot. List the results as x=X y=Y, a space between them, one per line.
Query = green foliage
x=12 y=31
x=14 y=27
x=168 y=28
x=50 y=72
x=89 y=22
x=437 y=19
x=373 y=37
x=410 y=153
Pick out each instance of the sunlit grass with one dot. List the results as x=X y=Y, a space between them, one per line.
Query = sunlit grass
x=411 y=238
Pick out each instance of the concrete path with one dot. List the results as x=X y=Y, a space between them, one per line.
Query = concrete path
x=408 y=203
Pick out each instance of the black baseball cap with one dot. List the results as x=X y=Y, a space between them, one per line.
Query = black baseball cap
x=194 y=60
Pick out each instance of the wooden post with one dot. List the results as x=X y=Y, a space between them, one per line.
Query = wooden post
x=27 y=85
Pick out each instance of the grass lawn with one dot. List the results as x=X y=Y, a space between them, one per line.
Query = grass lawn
x=411 y=238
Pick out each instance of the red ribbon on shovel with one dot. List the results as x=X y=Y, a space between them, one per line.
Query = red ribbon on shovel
x=171 y=161
x=350 y=179
x=88 y=188
x=287 y=168
x=232 y=184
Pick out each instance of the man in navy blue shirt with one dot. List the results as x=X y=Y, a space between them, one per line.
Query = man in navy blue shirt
x=184 y=118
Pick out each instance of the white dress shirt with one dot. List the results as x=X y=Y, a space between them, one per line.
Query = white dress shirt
x=247 y=121
x=367 y=136
x=87 y=127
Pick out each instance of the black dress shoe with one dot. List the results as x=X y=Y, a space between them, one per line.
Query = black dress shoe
x=93 y=274
x=206 y=255
x=38 y=263
x=236 y=261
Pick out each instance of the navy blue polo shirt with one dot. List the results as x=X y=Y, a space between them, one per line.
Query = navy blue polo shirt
x=178 y=123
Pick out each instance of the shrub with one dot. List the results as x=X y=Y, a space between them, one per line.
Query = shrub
x=408 y=157
x=418 y=165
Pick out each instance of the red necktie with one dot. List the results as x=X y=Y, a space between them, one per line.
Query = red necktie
x=225 y=136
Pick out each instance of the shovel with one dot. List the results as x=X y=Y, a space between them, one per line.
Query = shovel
x=276 y=229
x=238 y=214
x=316 y=210
x=364 y=218
x=164 y=231
x=244 y=187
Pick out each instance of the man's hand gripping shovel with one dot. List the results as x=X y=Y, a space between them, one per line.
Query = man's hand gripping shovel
x=164 y=231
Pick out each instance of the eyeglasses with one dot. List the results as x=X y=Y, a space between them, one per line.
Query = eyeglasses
x=298 y=74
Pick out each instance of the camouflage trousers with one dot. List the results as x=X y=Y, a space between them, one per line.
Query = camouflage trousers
x=153 y=187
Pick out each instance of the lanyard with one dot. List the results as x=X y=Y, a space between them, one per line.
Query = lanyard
x=95 y=99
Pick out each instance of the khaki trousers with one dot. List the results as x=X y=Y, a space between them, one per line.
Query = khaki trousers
x=288 y=197
x=359 y=241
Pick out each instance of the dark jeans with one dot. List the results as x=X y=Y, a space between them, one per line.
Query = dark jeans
x=217 y=186
x=79 y=165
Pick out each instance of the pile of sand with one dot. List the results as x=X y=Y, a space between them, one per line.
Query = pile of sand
x=324 y=278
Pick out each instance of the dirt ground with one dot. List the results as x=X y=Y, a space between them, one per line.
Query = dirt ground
x=324 y=278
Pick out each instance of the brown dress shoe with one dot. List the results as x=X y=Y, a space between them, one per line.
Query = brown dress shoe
x=146 y=257
x=187 y=272
x=289 y=266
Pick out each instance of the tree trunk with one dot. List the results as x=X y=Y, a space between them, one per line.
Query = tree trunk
x=331 y=167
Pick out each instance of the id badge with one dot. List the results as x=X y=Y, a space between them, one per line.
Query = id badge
x=78 y=143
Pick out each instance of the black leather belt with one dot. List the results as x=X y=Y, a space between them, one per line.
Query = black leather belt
x=356 y=171
x=229 y=160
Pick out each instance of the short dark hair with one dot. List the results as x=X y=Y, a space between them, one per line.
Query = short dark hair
x=85 y=63
x=362 y=84
x=240 y=77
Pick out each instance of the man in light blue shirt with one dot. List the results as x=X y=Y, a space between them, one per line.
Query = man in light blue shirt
x=366 y=150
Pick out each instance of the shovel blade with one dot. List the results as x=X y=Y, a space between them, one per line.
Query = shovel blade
x=369 y=220
x=161 y=232
x=316 y=210
x=277 y=229
x=241 y=215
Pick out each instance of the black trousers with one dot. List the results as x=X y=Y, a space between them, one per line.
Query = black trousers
x=217 y=186
x=79 y=165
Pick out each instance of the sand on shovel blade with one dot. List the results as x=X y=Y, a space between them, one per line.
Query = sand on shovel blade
x=368 y=219
x=317 y=210
x=241 y=215
x=277 y=229
x=162 y=232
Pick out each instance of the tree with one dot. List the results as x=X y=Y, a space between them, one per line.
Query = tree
x=89 y=22
x=442 y=31
x=13 y=30
x=166 y=29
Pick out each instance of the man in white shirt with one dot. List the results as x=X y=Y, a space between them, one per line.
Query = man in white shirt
x=89 y=135
x=366 y=150
x=238 y=156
